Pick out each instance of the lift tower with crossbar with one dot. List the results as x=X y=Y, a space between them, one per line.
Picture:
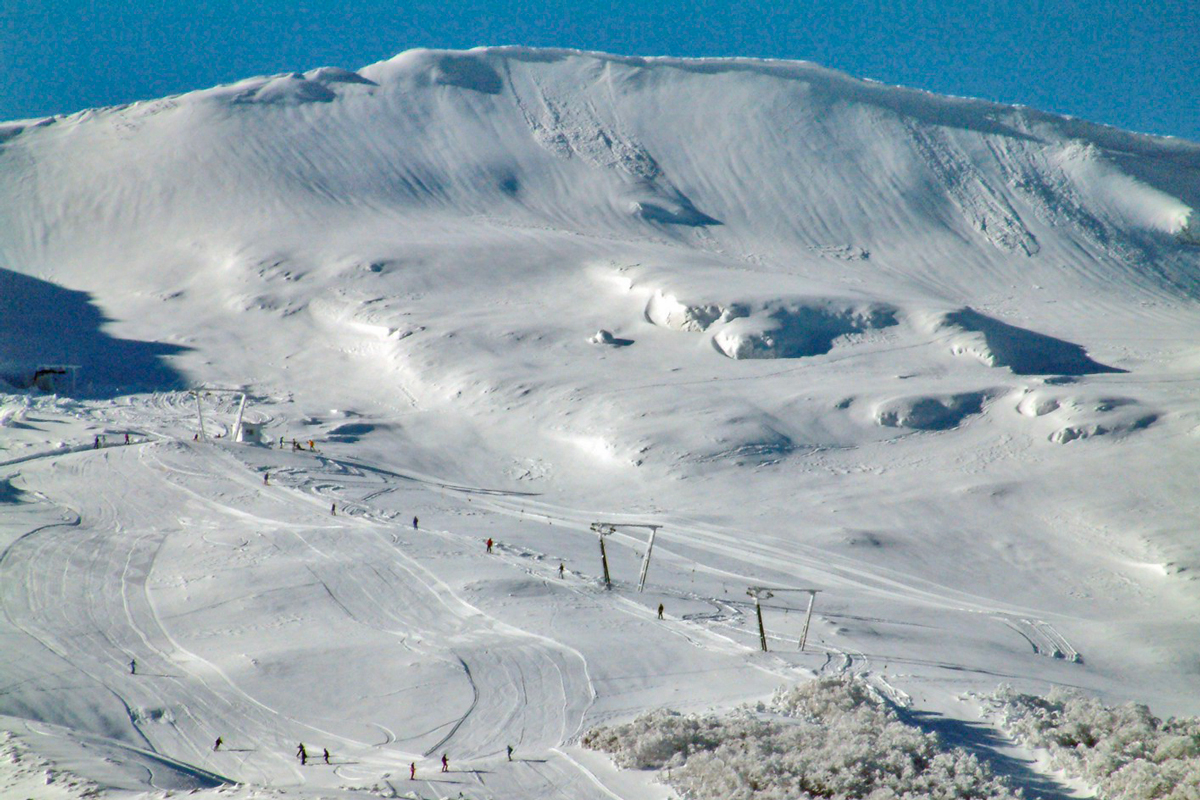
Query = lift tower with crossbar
x=760 y=593
x=237 y=426
x=605 y=528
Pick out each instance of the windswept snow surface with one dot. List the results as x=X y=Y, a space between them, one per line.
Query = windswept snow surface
x=932 y=357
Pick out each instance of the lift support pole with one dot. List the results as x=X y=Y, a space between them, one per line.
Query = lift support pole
x=604 y=562
x=646 y=559
x=200 y=415
x=812 y=596
x=762 y=632
x=237 y=426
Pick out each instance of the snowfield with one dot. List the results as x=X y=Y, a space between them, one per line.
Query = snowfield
x=932 y=358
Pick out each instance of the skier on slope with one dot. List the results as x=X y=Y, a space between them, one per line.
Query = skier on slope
x=302 y=754
x=412 y=771
x=326 y=755
x=445 y=763
x=217 y=744
x=414 y=523
x=489 y=544
x=510 y=752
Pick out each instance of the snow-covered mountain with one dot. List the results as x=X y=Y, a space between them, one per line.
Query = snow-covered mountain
x=934 y=357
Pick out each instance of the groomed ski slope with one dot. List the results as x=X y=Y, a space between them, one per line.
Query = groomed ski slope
x=933 y=357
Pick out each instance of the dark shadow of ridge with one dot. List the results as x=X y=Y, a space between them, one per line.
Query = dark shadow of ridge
x=42 y=324
x=983 y=742
x=1027 y=352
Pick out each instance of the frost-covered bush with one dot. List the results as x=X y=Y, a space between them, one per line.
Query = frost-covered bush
x=1124 y=751
x=665 y=738
x=830 y=738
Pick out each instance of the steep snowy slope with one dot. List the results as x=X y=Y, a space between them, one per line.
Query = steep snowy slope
x=934 y=357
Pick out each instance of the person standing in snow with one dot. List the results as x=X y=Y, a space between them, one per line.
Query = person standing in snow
x=266 y=479
x=489 y=544
x=333 y=509
x=217 y=744
x=96 y=443
x=510 y=752
x=660 y=610
x=127 y=438
x=561 y=569
x=412 y=771
x=326 y=755
x=133 y=666
x=414 y=523
x=445 y=763
x=302 y=754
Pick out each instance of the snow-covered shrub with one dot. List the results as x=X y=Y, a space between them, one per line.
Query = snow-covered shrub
x=1124 y=751
x=831 y=738
x=664 y=738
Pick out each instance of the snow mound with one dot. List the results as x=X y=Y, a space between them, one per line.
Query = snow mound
x=930 y=413
x=1082 y=414
x=678 y=211
x=668 y=311
x=798 y=329
x=652 y=198
x=603 y=336
x=828 y=738
x=1123 y=751
x=1071 y=433
x=422 y=67
x=337 y=75
x=1024 y=352
x=747 y=437
x=293 y=89
x=777 y=328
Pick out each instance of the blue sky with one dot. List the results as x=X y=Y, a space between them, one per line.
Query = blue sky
x=1133 y=65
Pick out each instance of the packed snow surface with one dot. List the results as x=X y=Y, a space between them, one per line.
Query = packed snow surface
x=931 y=358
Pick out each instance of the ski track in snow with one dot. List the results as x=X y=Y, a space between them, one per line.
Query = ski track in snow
x=521 y=684
x=528 y=686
